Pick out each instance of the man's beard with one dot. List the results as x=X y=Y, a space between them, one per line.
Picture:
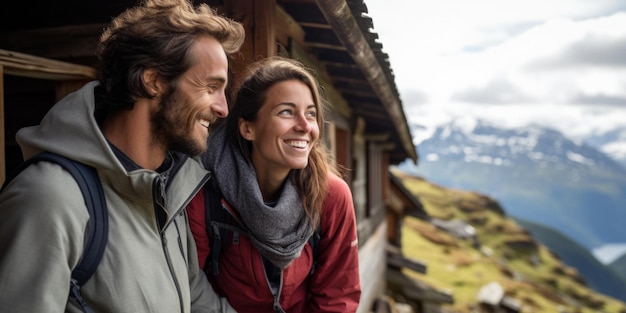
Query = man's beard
x=171 y=126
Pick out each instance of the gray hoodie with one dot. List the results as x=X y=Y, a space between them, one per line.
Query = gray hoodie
x=150 y=262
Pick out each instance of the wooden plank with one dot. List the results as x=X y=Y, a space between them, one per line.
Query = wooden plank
x=397 y=260
x=242 y=11
x=257 y=17
x=3 y=166
x=373 y=267
x=287 y=29
x=265 y=28
x=21 y=64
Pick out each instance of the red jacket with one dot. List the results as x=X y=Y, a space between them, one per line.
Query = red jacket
x=333 y=287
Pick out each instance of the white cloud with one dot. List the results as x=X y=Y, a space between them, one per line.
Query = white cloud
x=560 y=63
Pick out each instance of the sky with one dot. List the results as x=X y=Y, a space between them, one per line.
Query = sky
x=558 y=63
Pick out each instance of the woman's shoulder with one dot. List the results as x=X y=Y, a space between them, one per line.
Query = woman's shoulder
x=338 y=216
x=339 y=193
x=335 y=181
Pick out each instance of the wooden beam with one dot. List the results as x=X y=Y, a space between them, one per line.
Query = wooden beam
x=287 y=29
x=380 y=137
x=21 y=64
x=257 y=17
x=264 y=28
x=3 y=161
x=364 y=93
x=321 y=45
x=369 y=111
x=342 y=64
x=398 y=260
x=258 y=20
x=316 y=25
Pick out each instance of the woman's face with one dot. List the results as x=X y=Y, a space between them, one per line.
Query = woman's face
x=285 y=129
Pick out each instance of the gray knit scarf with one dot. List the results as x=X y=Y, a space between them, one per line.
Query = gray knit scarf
x=278 y=232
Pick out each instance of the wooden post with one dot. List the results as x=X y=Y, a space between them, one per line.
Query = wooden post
x=3 y=166
x=257 y=17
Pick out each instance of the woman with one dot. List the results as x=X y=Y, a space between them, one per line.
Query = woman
x=271 y=166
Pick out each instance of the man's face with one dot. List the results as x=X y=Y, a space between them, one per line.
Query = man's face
x=186 y=111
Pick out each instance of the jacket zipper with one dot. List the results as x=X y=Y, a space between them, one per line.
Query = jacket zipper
x=276 y=306
x=179 y=210
x=160 y=201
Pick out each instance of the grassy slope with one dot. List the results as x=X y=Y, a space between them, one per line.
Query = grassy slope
x=527 y=270
x=599 y=277
x=619 y=266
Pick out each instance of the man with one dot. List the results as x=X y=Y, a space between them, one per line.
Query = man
x=162 y=76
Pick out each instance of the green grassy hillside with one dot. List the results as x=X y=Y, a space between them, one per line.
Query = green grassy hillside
x=527 y=270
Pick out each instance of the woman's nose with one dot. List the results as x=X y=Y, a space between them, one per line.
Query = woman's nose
x=303 y=124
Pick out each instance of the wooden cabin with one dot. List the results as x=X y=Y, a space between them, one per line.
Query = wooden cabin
x=419 y=295
x=47 y=50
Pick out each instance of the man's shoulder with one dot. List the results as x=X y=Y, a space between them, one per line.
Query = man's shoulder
x=45 y=204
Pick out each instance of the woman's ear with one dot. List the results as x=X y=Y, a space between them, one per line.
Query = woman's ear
x=152 y=82
x=246 y=130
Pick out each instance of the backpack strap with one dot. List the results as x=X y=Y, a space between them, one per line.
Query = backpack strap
x=87 y=179
x=314 y=241
x=215 y=215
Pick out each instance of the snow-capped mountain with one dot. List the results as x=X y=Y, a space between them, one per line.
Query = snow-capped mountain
x=613 y=143
x=537 y=174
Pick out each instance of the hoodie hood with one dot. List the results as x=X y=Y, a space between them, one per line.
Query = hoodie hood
x=69 y=128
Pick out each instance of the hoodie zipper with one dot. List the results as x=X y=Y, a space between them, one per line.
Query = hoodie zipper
x=187 y=201
x=161 y=216
x=163 y=223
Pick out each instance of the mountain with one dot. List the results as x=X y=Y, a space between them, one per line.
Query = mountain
x=532 y=276
x=537 y=173
x=598 y=276
x=613 y=143
x=619 y=266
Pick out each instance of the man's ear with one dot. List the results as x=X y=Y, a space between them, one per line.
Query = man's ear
x=152 y=82
x=246 y=130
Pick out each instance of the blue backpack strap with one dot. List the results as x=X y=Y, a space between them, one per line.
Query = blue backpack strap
x=87 y=179
x=215 y=216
